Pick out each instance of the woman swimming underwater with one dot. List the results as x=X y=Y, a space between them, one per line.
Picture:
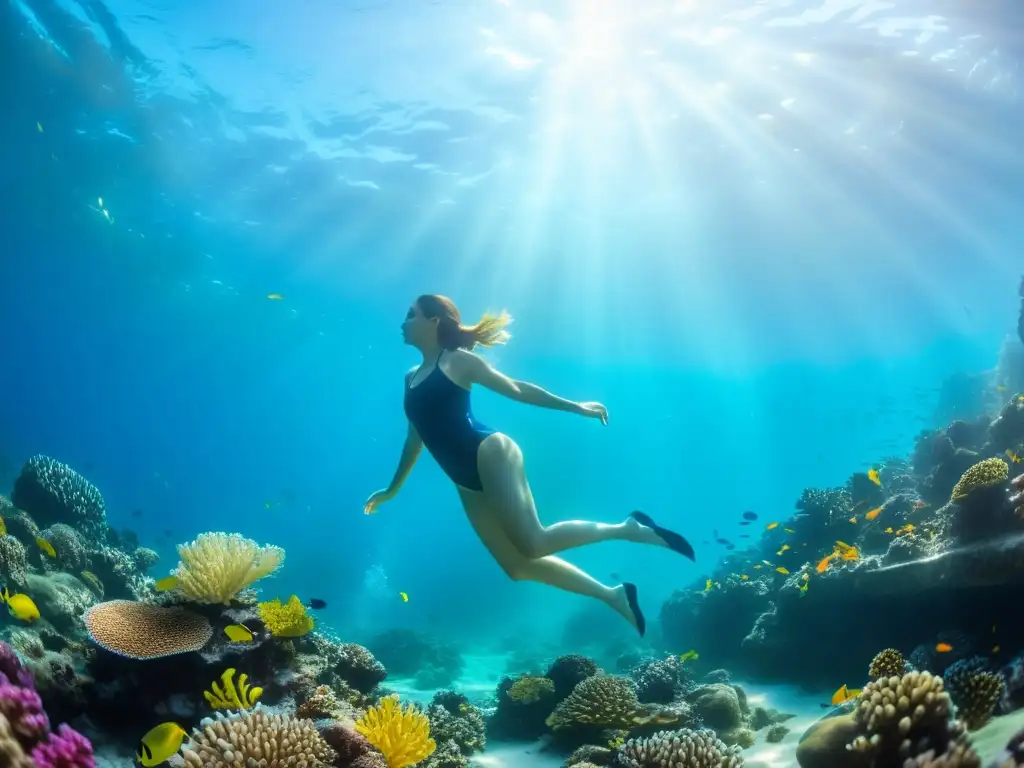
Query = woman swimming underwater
x=487 y=466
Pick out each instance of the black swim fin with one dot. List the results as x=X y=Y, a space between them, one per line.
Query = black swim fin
x=634 y=606
x=673 y=540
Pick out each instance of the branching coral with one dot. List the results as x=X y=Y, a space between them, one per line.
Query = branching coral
x=887 y=663
x=401 y=733
x=984 y=474
x=905 y=718
x=144 y=630
x=678 y=749
x=530 y=689
x=289 y=619
x=256 y=738
x=606 y=701
x=217 y=566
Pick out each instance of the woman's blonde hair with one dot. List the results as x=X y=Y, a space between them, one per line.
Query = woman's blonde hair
x=452 y=334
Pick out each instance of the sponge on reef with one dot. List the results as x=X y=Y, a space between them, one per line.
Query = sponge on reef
x=140 y=630
x=289 y=619
x=887 y=663
x=217 y=566
x=606 y=701
x=984 y=474
x=686 y=748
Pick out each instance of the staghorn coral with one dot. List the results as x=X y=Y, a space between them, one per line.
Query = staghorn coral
x=984 y=474
x=13 y=562
x=52 y=492
x=256 y=738
x=887 y=663
x=905 y=717
x=144 y=630
x=606 y=701
x=402 y=734
x=217 y=566
x=530 y=689
x=289 y=619
x=678 y=749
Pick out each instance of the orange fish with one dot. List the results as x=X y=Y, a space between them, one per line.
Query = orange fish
x=823 y=565
x=943 y=647
x=874 y=478
x=851 y=554
x=873 y=513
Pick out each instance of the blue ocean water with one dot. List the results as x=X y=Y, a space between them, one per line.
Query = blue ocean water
x=762 y=233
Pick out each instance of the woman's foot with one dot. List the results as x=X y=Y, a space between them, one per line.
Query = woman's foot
x=624 y=601
x=646 y=531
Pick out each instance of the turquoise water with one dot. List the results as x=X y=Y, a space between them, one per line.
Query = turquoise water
x=763 y=234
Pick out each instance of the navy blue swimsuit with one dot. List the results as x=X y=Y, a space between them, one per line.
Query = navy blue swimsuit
x=440 y=411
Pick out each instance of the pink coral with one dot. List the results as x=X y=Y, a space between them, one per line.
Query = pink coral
x=24 y=710
x=66 y=748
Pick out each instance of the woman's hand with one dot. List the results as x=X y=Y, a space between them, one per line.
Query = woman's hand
x=376 y=499
x=594 y=411
x=1017 y=499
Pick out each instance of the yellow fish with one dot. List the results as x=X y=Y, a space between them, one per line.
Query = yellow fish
x=744 y=577
x=782 y=549
x=1012 y=456
x=404 y=596
x=853 y=519
x=845 y=694
x=757 y=567
x=874 y=478
x=238 y=633
x=851 y=554
x=275 y=296
x=3 y=527
x=770 y=526
x=782 y=570
x=684 y=657
x=889 y=530
x=46 y=546
x=707 y=585
x=20 y=606
x=166 y=583
x=824 y=562
x=160 y=743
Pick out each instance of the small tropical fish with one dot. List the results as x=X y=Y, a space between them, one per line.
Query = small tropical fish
x=748 y=515
x=783 y=548
x=825 y=562
x=275 y=296
x=852 y=519
x=770 y=526
x=316 y=603
x=908 y=528
x=94 y=581
x=166 y=583
x=789 y=530
x=943 y=647
x=691 y=654
x=707 y=585
x=1000 y=388
x=873 y=513
x=744 y=577
x=782 y=570
x=20 y=606
x=874 y=478
x=1012 y=456
x=404 y=596
x=767 y=563
x=160 y=743
x=758 y=567
x=46 y=547
x=889 y=530
x=851 y=554
x=844 y=695
x=238 y=633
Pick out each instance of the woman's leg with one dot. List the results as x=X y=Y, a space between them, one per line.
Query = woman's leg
x=500 y=463
x=552 y=571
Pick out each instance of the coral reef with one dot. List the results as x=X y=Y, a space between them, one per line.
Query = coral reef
x=273 y=741
x=685 y=748
x=604 y=701
x=52 y=492
x=887 y=662
x=146 y=630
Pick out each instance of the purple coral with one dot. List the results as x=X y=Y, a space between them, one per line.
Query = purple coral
x=66 y=748
x=21 y=706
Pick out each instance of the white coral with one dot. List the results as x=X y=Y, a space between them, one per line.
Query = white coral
x=217 y=566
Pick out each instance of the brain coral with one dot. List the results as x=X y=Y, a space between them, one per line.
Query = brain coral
x=255 y=738
x=984 y=474
x=140 y=630
x=678 y=749
x=607 y=701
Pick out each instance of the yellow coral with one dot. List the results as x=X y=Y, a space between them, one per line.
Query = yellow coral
x=984 y=474
x=530 y=689
x=402 y=734
x=217 y=566
x=227 y=696
x=289 y=619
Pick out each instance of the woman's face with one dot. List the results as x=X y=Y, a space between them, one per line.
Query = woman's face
x=417 y=329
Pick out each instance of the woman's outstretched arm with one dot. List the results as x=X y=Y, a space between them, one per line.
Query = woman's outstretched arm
x=479 y=371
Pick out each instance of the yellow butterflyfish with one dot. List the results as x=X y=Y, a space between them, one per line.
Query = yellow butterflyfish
x=160 y=743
